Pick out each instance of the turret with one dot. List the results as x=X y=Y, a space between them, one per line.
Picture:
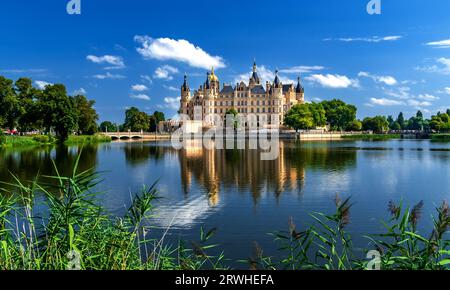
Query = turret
x=300 y=92
x=185 y=97
x=254 y=80
x=185 y=90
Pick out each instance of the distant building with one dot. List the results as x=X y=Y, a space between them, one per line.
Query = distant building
x=272 y=99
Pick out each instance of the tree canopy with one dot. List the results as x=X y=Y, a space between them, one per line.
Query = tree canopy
x=27 y=108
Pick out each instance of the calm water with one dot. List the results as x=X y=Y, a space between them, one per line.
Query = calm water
x=246 y=198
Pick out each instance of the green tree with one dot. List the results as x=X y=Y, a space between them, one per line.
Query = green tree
x=58 y=111
x=395 y=126
x=299 y=117
x=232 y=112
x=155 y=119
x=11 y=108
x=318 y=114
x=440 y=123
x=355 y=125
x=27 y=95
x=108 y=126
x=377 y=124
x=419 y=115
x=401 y=121
x=339 y=114
x=136 y=120
x=417 y=123
x=86 y=115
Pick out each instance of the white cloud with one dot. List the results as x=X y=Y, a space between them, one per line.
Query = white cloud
x=264 y=75
x=171 y=103
x=440 y=44
x=447 y=90
x=399 y=93
x=143 y=97
x=21 y=71
x=171 y=88
x=366 y=39
x=388 y=80
x=427 y=97
x=116 y=62
x=80 y=91
x=179 y=50
x=108 y=76
x=301 y=69
x=442 y=66
x=333 y=81
x=42 y=84
x=165 y=72
x=419 y=104
x=147 y=79
x=139 y=88
x=385 y=102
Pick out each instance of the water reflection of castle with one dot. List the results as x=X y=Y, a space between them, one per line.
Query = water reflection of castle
x=244 y=170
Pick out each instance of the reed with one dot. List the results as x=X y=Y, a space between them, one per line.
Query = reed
x=76 y=232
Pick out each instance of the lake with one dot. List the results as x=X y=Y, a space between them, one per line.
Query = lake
x=246 y=198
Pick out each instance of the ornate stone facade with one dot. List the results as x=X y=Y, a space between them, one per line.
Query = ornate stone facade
x=274 y=98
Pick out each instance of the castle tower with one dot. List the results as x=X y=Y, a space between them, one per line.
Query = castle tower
x=254 y=80
x=277 y=95
x=214 y=82
x=300 y=92
x=209 y=97
x=185 y=97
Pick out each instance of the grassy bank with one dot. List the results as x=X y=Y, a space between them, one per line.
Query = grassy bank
x=41 y=140
x=87 y=139
x=25 y=141
x=76 y=232
x=440 y=137
x=372 y=136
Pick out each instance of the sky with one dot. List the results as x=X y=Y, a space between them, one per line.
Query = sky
x=135 y=52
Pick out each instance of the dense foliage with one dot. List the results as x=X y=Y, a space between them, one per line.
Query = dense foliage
x=339 y=116
x=136 y=120
x=29 y=109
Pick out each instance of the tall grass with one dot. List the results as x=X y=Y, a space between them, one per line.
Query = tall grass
x=24 y=141
x=75 y=232
x=87 y=139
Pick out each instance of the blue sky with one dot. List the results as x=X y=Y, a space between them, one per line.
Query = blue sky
x=134 y=53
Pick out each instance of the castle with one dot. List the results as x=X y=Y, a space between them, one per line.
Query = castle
x=274 y=99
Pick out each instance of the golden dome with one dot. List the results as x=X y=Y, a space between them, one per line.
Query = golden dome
x=213 y=77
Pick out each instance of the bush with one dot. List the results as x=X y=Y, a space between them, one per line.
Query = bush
x=45 y=139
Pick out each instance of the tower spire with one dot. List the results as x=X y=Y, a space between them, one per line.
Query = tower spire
x=185 y=86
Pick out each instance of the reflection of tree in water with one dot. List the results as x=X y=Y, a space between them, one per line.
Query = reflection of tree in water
x=244 y=169
x=27 y=164
x=136 y=153
x=320 y=157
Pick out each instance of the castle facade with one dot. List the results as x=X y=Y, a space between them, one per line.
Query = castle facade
x=273 y=98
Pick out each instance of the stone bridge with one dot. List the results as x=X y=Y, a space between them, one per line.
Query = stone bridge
x=136 y=135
